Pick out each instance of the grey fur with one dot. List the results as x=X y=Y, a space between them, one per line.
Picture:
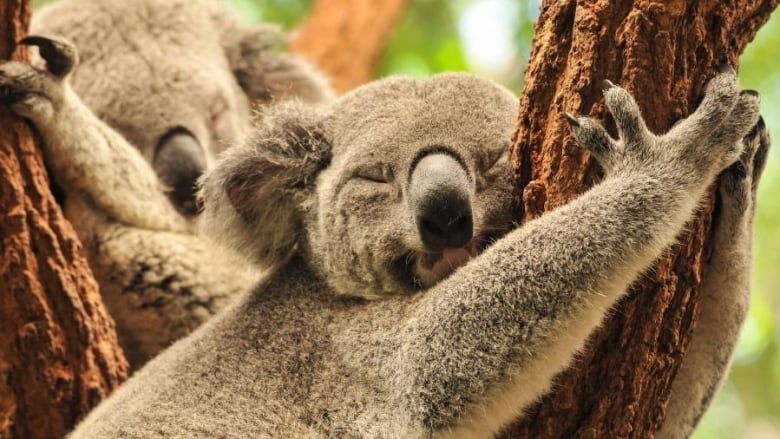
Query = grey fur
x=725 y=291
x=149 y=68
x=337 y=343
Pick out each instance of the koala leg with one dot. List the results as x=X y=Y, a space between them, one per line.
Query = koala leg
x=88 y=158
x=725 y=291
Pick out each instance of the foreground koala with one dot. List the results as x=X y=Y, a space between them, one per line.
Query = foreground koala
x=161 y=87
x=403 y=304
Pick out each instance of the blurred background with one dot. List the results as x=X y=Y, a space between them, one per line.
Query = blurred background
x=493 y=38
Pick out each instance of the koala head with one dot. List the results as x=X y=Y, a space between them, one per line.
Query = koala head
x=385 y=191
x=176 y=77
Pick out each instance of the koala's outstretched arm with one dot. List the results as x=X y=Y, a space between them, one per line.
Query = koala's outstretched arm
x=88 y=158
x=486 y=342
x=725 y=291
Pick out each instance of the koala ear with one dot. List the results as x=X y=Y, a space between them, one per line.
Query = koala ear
x=266 y=73
x=251 y=197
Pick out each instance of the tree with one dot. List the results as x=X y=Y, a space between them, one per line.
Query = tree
x=58 y=349
x=345 y=38
x=664 y=52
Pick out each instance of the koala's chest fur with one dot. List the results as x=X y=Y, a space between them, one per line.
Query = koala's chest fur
x=292 y=357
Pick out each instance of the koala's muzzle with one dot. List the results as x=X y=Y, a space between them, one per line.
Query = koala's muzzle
x=178 y=162
x=440 y=198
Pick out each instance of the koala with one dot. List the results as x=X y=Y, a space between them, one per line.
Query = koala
x=725 y=291
x=402 y=301
x=160 y=88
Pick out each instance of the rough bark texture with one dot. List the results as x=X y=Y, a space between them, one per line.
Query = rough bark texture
x=58 y=349
x=346 y=38
x=663 y=52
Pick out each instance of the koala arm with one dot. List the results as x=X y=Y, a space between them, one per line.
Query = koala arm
x=160 y=294
x=82 y=150
x=487 y=341
x=725 y=292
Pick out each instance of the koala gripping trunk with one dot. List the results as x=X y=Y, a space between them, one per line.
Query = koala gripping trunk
x=665 y=52
x=58 y=350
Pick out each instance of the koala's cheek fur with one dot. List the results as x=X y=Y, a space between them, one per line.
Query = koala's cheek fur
x=358 y=240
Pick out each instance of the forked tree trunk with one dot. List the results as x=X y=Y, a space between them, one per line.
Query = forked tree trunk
x=663 y=52
x=58 y=349
x=346 y=38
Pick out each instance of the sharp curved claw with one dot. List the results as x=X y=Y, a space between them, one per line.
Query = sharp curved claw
x=60 y=57
x=726 y=68
x=607 y=84
x=572 y=120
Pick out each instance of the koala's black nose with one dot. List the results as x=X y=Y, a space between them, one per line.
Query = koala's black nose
x=440 y=196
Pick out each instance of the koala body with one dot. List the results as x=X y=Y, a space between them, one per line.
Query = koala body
x=160 y=88
x=403 y=303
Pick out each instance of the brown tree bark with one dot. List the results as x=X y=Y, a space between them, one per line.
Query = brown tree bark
x=346 y=38
x=58 y=349
x=663 y=52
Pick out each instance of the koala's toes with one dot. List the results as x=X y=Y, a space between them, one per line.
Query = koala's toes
x=61 y=56
x=626 y=113
x=720 y=96
x=737 y=127
x=591 y=135
x=14 y=77
x=741 y=177
x=759 y=137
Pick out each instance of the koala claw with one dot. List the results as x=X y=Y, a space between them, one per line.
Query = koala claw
x=592 y=136
x=572 y=119
x=30 y=92
x=726 y=68
x=60 y=56
x=606 y=85
x=751 y=93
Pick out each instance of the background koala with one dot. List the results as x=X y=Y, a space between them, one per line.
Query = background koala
x=389 y=313
x=162 y=85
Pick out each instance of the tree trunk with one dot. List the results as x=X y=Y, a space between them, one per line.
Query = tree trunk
x=346 y=38
x=58 y=349
x=664 y=53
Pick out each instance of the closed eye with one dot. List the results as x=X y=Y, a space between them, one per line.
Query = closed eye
x=495 y=159
x=375 y=174
x=493 y=168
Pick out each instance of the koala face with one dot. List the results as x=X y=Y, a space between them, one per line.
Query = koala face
x=176 y=77
x=158 y=74
x=417 y=185
x=385 y=191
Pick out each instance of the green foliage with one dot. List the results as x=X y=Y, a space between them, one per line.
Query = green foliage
x=426 y=41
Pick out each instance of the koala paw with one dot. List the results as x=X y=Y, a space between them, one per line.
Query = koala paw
x=737 y=184
x=635 y=138
x=37 y=93
x=697 y=148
